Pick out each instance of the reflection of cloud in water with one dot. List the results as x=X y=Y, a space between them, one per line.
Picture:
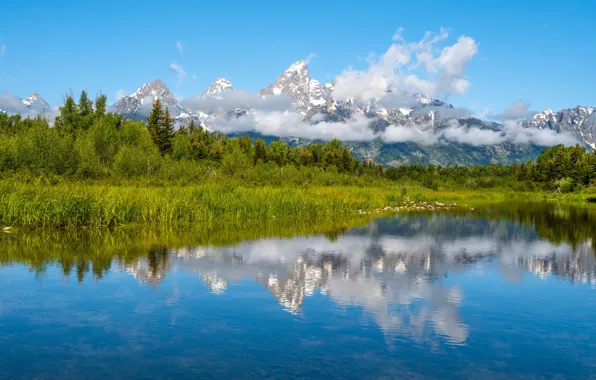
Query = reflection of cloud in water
x=394 y=275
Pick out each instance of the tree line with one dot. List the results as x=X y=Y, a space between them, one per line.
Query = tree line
x=88 y=142
x=557 y=169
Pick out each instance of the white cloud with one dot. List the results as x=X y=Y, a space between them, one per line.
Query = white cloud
x=518 y=110
x=398 y=68
x=398 y=133
x=309 y=58
x=511 y=132
x=194 y=76
x=542 y=137
x=11 y=103
x=121 y=93
x=179 y=47
x=291 y=124
x=397 y=36
x=179 y=71
x=2 y=49
x=394 y=100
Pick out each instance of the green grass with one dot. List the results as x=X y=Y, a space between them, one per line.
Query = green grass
x=72 y=204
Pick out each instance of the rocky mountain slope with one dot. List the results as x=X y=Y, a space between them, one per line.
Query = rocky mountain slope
x=37 y=103
x=138 y=104
x=217 y=88
x=579 y=121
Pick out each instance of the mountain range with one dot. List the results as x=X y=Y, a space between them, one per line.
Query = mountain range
x=314 y=103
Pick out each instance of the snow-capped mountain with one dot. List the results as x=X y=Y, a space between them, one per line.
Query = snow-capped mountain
x=31 y=106
x=220 y=86
x=138 y=104
x=311 y=98
x=297 y=84
x=36 y=102
x=579 y=121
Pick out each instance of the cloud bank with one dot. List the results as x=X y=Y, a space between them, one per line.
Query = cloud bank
x=292 y=124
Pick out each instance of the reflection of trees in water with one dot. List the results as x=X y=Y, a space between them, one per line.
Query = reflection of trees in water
x=152 y=268
x=551 y=221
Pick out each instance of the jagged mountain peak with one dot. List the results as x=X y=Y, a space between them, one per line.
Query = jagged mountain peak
x=219 y=86
x=579 y=121
x=36 y=101
x=296 y=83
x=298 y=66
x=138 y=104
x=156 y=88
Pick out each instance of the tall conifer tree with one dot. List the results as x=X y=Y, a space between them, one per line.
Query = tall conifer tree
x=154 y=121
x=166 y=133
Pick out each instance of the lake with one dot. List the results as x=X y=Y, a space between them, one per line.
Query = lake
x=498 y=292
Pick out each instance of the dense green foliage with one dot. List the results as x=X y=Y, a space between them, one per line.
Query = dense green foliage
x=87 y=143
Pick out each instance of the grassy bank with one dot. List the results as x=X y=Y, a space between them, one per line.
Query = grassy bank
x=72 y=205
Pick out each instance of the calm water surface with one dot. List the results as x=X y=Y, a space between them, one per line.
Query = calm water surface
x=492 y=294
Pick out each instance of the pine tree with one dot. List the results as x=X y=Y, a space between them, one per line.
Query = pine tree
x=100 y=105
x=154 y=121
x=346 y=159
x=85 y=105
x=166 y=133
x=67 y=121
x=260 y=151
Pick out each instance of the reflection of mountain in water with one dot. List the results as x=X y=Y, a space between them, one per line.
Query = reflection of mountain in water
x=394 y=269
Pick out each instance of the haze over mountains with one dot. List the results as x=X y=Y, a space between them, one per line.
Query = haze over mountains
x=398 y=127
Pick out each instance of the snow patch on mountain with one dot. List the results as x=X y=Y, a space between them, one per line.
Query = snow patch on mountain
x=36 y=101
x=220 y=86
x=579 y=121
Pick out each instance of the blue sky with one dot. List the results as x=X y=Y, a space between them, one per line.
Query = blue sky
x=541 y=52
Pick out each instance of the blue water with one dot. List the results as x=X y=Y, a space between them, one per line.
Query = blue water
x=415 y=297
